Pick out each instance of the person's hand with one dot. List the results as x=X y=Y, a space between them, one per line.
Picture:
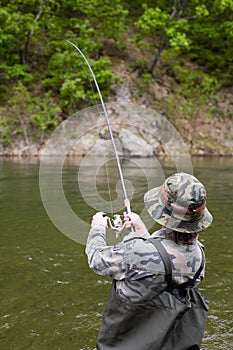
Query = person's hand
x=99 y=219
x=135 y=220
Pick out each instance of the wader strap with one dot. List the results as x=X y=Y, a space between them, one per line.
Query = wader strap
x=191 y=283
x=202 y=262
x=156 y=241
x=165 y=258
x=168 y=267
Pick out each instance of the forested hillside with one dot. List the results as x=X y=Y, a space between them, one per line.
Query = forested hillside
x=175 y=56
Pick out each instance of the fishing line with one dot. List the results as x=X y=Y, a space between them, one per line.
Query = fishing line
x=126 y=200
x=87 y=72
x=109 y=189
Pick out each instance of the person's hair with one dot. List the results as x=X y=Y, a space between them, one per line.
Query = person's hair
x=182 y=237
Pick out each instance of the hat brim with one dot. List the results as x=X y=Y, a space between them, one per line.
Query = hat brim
x=155 y=205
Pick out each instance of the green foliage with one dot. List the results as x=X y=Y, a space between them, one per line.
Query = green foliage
x=201 y=11
x=152 y=19
x=202 y=30
x=146 y=79
x=46 y=113
x=43 y=75
x=222 y=5
x=16 y=72
x=178 y=39
x=43 y=79
x=195 y=84
x=74 y=85
x=27 y=116
x=163 y=29
x=5 y=128
x=33 y=38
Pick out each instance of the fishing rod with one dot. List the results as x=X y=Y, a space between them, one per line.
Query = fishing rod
x=115 y=223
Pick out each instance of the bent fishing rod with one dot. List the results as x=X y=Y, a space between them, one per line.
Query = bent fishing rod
x=115 y=224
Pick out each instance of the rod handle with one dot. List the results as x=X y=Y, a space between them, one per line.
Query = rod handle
x=128 y=211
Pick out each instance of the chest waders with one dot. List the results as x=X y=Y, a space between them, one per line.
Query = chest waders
x=172 y=320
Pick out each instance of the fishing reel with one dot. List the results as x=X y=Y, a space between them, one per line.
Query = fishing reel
x=116 y=224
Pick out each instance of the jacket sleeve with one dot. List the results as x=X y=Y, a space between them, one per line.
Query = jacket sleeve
x=105 y=260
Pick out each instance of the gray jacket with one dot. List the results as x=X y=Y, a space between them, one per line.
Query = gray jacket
x=136 y=265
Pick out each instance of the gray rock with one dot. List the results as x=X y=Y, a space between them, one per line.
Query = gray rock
x=134 y=145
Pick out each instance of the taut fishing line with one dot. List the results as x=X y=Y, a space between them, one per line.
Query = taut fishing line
x=68 y=136
x=89 y=73
x=115 y=224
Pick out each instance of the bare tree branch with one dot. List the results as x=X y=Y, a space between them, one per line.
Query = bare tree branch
x=31 y=33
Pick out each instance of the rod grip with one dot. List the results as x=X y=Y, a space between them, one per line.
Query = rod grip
x=128 y=211
x=127 y=205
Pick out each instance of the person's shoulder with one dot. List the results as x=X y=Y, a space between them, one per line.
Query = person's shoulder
x=182 y=249
x=136 y=244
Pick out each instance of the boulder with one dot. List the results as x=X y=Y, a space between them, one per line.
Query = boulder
x=134 y=145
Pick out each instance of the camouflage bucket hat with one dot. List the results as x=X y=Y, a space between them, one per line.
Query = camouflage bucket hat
x=179 y=204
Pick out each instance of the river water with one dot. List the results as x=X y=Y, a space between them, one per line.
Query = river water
x=50 y=299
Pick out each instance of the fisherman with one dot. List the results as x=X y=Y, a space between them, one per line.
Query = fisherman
x=154 y=303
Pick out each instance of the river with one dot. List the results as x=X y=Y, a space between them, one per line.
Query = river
x=50 y=299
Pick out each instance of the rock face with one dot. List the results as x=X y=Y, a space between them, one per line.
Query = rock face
x=138 y=132
x=134 y=145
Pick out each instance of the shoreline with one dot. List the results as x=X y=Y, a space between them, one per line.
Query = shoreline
x=70 y=156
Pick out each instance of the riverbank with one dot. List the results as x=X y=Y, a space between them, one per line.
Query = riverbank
x=140 y=112
x=184 y=74
x=139 y=127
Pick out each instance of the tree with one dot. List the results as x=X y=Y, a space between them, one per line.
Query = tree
x=33 y=48
x=165 y=26
x=189 y=27
x=26 y=117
